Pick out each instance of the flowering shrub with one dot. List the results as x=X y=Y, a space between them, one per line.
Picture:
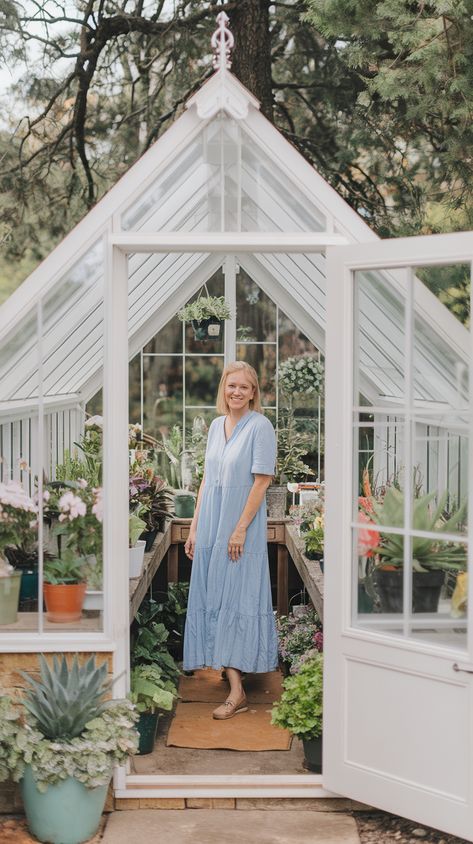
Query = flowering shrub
x=297 y=636
x=301 y=374
x=18 y=516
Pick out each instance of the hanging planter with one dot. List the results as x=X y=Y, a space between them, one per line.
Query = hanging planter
x=207 y=315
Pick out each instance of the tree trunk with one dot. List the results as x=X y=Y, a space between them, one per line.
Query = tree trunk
x=251 y=60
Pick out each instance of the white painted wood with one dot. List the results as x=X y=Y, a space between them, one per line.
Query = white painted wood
x=115 y=468
x=226 y=242
x=389 y=736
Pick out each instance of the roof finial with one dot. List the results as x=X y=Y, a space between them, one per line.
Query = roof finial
x=222 y=42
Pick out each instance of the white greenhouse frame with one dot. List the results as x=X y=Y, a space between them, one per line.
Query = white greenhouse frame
x=222 y=94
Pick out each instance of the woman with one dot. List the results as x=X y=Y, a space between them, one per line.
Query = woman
x=230 y=621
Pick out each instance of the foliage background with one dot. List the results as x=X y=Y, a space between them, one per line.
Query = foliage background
x=378 y=96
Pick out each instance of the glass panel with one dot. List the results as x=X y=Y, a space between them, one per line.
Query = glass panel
x=263 y=358
x=168 y=340
x=202 y=379
x=380 y=337
x=162 y=393
x=291 y=340
x=270 y=201
x=134 y=390
x=439 y=489
x=438 y=596
x=256 y=312
x=19 y=541
x=175 y=198
x=441 y=368
x=72 y=334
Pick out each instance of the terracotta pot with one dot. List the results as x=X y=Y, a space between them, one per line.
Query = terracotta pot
x=64 y=601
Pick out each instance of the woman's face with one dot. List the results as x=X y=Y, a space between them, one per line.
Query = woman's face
x=238 y=391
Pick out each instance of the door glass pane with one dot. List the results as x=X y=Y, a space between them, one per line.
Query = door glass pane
x=410 y=465
x=380 y=337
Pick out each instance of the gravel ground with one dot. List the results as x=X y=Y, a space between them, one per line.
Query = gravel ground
x=382 y=828
x=14 y=831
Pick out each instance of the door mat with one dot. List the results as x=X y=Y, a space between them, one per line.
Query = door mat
x=193 y=726
x=207 y=686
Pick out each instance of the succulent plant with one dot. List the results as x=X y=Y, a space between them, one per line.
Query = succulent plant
x=66 y=699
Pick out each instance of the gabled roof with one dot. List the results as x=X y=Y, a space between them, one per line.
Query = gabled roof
x=222 y=166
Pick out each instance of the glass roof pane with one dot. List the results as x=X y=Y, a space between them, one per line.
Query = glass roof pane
x=72 y=328
x=223 y=181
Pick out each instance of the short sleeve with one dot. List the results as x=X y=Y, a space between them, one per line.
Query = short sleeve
x=264 y=449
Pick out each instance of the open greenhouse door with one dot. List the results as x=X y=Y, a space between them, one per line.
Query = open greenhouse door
x=398 y=704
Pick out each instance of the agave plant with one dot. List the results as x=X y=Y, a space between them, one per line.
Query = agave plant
x=66 y=699
x=427 y=554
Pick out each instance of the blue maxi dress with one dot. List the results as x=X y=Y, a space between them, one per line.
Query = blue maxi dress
x=230 y=620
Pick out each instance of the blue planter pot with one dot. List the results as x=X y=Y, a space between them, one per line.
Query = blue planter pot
x=66 y=813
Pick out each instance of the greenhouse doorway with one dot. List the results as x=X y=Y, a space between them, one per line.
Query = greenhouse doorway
x=276 y=780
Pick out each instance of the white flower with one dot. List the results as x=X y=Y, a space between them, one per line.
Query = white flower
x=94 y=420
x=293 y=487
x=13 y=495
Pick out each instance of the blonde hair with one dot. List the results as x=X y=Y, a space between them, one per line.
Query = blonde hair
x=238 y=366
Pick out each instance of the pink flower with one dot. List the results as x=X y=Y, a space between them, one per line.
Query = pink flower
x=97 y=507
x=72 y=506
x=368 y=540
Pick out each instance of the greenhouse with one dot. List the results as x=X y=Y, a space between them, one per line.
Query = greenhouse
x=365 y=377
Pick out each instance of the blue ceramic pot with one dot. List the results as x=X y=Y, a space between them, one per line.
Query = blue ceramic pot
x=66 y=813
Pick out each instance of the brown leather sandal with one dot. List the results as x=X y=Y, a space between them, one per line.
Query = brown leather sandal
x=229 y=709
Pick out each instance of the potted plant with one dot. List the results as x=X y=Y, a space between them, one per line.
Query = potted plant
x=170 y=610
x=63 y=747
x=136 y=550
x=207 y=315
x=301 y=375
x=314 y=540
x=293 y=445
x=150 y=494
x=150 y=693
x=300 y=709
x=18 y=520
x=298 y=636
x=76 y=512
x=64 y=586
x=431 y=558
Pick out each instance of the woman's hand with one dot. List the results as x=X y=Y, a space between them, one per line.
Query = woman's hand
x=236 y=543
x=190 y=543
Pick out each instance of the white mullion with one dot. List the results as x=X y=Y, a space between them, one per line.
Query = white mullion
x=115 y=454
x=230 y=280
x=470 y=485
x=184 y=355
x=409 y=326
x=40 y=464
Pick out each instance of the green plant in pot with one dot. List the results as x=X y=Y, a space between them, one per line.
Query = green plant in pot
x=64 y=586
x=300 y=709
x=207 y=315
x=136 y=549
x=18 y=520
x=151 y=693
x=431 y=558
x=65 y=745
x=293 y=446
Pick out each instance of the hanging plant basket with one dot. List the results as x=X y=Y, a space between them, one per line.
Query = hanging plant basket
x=207 y=315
